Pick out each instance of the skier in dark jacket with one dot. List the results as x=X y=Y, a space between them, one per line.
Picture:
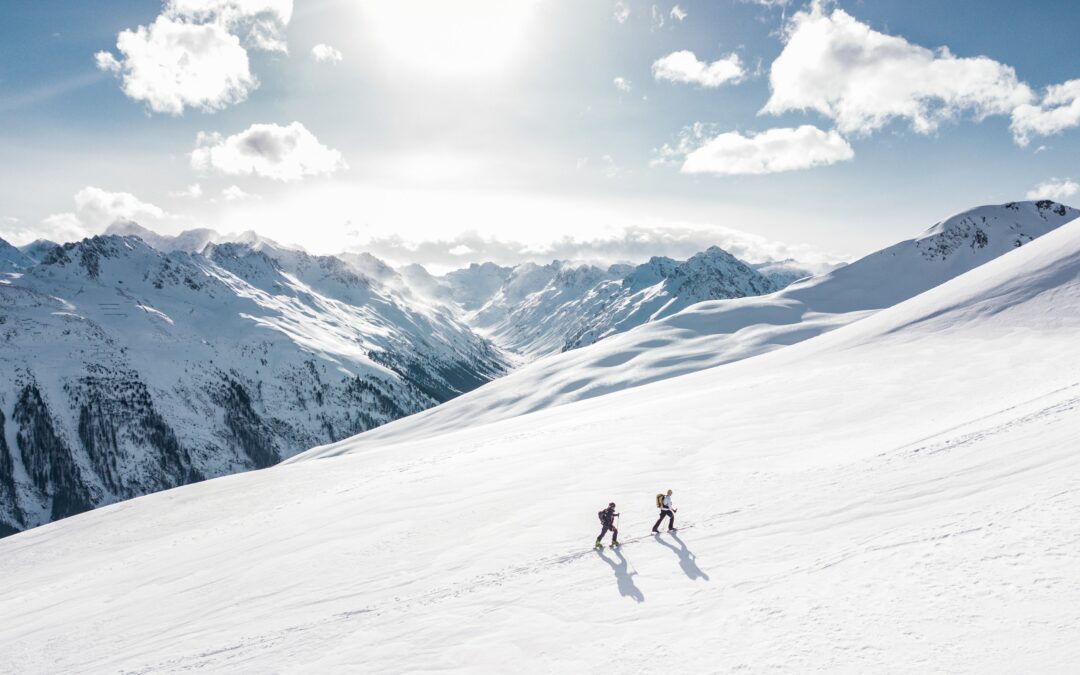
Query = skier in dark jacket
x=607 y=520
x=666 y=511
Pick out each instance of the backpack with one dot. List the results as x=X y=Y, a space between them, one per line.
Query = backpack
x=600 y=514
x=660 y=500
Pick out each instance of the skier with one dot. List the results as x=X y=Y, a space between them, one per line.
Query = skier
x=666 y=511
x=607 y=520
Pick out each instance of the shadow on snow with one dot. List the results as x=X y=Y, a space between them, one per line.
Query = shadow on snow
x=687 y=560
x=624 y=578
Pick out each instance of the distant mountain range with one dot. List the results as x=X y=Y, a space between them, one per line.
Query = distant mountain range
x=715 y=332
x=136 y=362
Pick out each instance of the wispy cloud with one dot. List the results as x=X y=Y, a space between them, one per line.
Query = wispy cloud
x=621 y=12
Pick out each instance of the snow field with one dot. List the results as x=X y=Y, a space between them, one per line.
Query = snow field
x=899 y=495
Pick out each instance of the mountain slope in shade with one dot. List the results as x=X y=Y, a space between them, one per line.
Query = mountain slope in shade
x=12 y=259
x=713 y=333
x=37 y=249
x=129 y=370
x=842 y=502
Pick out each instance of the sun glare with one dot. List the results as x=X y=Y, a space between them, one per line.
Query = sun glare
x=464 y=38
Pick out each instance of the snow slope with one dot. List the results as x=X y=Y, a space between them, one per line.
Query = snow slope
x=901 y=494
x=709 y=334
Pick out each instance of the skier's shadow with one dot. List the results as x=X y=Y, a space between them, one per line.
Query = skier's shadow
x=624 y=578
x=687 y=560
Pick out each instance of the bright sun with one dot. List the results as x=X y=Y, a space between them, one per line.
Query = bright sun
x=449 y=37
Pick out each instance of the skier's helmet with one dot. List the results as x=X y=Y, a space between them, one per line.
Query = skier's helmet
x=612 y=504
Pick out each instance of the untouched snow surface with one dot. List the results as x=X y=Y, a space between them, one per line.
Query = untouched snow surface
x=709 y=334
x=902 y=495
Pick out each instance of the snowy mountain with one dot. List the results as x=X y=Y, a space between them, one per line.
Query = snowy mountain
x=538 y=306
x=663 y=287
x=12 y=259
x=37 y=249
x=473 y=286
x=130 y=370
x=783 y=273
x=712 y=333
x=544 y=309
x=899 y=495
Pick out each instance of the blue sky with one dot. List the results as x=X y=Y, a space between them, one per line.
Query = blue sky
x=452 y=132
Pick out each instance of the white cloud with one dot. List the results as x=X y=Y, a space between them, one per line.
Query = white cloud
x=95 y=209
x=862 y=79
x=622 y=84
x=193 y=191
x=1057 y=190
x=771 y=151
x=172 y=64
x=283 y=153
x=326 y=54
x=684 y=66
x=622 y=12
x=1058 y=110
x=59 y=227
x=261 y=23
x=678 y=13
x=194 y=54
x=233 y=193
x=99 y=208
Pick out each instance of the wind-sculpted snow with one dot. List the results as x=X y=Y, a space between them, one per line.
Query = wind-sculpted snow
x=708 y=334
x=129 y=370
x=901 y=494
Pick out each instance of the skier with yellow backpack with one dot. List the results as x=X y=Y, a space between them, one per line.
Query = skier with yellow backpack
x=663 y=502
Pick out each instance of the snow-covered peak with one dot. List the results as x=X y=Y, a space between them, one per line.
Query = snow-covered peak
x=656 y=270
x=131 y=256
x=946 y=250
x=473 y=286
x=369 y=265
x=37 y=249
